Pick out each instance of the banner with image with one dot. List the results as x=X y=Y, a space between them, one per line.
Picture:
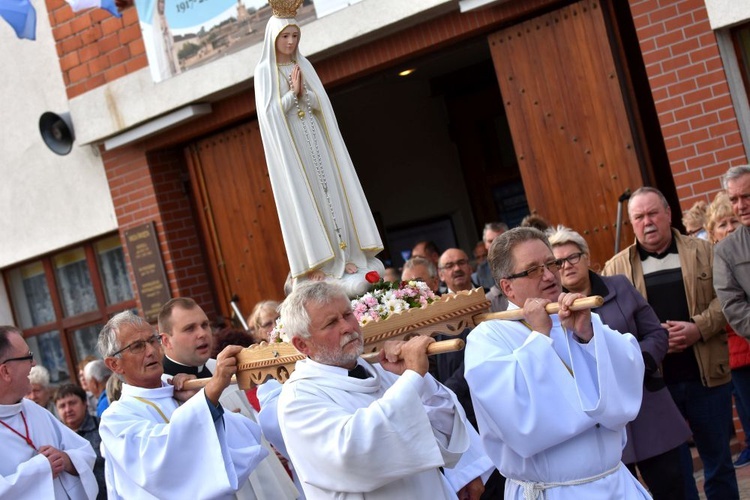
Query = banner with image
x=182 y=34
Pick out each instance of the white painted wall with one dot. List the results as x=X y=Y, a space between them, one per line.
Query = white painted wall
x=725 y=13
x=46 y=201
x=135 y=98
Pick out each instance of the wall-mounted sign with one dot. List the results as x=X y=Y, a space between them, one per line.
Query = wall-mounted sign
x=148 y=268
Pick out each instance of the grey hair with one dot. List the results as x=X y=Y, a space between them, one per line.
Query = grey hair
x=646 y=190
x=97 y=370
x=108 y=343
x=562 y=235
x=39 y=375
x=421 y=261
x=496 y=227
x=294 y=315
x=734 y=173
x=501 y=251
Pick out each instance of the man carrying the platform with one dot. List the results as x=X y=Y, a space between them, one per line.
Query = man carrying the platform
x=150 y=442
x=552 y=394
x=359 y=431
x=187 y=338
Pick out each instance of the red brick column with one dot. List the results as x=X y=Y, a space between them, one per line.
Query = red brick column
x=691 y=93
x=150 y=187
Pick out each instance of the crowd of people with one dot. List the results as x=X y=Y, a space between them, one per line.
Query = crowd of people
x=601 y=403
x=579 y=404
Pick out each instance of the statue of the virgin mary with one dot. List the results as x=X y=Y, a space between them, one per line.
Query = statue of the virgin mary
x=326 y=223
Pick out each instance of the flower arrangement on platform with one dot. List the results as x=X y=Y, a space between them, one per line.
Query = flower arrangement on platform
x=385 y=298
x=388 y=298
x=278 y=334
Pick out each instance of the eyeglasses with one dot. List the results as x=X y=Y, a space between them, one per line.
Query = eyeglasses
x=450 y=265
x=139 y=346
x=572 y=259
x=537 y=271
x=28 y=357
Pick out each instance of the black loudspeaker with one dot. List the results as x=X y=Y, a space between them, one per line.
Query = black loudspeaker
x=57 y=132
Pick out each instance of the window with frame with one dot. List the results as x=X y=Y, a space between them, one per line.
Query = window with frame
x=61 y=301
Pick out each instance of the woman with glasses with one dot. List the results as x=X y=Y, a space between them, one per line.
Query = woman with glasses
x=656 y=434
x=262 y=320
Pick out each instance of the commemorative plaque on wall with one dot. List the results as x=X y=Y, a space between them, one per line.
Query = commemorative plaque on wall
x=148 y=268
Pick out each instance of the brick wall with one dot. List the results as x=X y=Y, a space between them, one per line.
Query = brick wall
x=691 y=94
x=95 y=47
x=149 y=188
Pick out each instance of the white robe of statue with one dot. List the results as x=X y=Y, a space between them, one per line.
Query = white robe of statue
x=383 y=437
x=25 y=473
x=321 y=230
x=190 y=456
x=540 y=423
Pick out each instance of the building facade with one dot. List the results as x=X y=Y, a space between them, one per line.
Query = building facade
x=513 y=106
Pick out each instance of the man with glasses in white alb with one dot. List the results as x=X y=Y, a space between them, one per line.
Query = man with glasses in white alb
x=552 y=393
x=155 y=447
x=41 y=458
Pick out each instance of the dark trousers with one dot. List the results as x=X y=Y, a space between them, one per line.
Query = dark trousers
x=708 y=411
x=741 y=392
x=662 y=474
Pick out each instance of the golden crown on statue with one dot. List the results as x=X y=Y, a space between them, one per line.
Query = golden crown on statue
x=285 y=8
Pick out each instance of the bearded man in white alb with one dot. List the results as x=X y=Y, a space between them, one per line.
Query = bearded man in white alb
x=41 y=458
x=358 y=431
x=552 y=394
x=154 y=447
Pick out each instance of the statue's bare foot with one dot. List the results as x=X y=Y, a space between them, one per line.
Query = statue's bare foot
x=316 y=275
x=350 y=268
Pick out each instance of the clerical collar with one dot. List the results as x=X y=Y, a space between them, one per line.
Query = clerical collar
x=644 y=254
x=172 y=367
x=359 y=372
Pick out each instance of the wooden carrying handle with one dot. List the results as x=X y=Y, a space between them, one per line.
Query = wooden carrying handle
x=551 y=308
x=372 y=358
x=432 y=349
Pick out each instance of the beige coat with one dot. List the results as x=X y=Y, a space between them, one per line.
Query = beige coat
x=696 y=260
